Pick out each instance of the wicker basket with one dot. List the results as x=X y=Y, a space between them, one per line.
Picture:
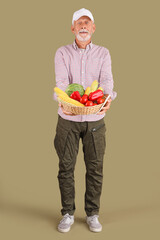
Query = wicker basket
x=80 y=110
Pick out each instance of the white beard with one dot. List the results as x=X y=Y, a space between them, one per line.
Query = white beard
x=83 y=39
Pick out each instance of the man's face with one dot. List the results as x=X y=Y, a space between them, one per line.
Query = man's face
x=83 y=28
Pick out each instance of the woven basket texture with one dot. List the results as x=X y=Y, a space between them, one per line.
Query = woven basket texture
x=80 y=110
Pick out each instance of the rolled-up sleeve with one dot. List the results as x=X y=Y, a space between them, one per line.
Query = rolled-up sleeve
x=61 y=73
x=106 y=76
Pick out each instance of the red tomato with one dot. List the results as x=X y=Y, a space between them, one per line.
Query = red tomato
x=95 y=103
x=89 y=103
x=84 y=99
x=100 y=100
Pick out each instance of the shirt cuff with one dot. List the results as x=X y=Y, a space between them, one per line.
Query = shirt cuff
x=55 y=97
x=113 y=94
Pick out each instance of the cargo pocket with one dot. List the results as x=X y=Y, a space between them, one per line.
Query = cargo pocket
x=60 y=140
x=99 y=140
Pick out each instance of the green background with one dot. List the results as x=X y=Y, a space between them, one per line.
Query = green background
x=31 y=32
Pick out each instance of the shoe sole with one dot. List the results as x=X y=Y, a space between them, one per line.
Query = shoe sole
x=64 y=230
x=95 y=229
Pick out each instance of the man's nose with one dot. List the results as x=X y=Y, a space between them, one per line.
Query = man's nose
x=83 y=25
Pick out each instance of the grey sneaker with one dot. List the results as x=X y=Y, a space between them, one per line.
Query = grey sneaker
x=65 y=223
x=94 y=224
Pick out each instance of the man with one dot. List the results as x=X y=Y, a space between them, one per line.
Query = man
x=82 y=62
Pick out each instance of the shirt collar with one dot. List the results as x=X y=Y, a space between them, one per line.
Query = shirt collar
x=90 y=45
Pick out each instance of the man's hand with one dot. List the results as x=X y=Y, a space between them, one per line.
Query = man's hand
x=106 y=106
x=65 y=112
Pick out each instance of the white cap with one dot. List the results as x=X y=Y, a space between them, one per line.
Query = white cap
x=82 y=12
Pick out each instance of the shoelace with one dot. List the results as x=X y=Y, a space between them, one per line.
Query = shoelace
x=65 y=217
x=92 y=218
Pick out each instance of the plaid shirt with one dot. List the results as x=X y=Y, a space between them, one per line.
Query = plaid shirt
x=83 y=66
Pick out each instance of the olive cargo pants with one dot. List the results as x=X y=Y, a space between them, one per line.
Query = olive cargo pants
x=66 y=143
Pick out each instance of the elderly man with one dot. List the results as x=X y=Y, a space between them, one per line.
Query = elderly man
x=82 y=62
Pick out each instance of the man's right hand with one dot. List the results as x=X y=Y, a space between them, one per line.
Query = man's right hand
x=65 y=112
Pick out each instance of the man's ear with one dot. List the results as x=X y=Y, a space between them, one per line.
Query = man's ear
x=94 y=27
x=72 y=28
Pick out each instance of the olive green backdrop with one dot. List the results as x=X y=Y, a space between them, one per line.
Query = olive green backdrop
x=31 y=32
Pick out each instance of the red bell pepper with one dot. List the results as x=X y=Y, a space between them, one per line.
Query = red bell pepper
x=96 y=94
x=76 y=95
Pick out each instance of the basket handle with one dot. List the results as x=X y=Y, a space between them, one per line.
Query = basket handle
x=103 y=104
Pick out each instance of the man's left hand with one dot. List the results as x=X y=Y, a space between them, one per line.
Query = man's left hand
x=106 y=106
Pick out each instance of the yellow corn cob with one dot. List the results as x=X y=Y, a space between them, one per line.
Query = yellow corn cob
x=100 y=88
x=94 y=86
x=87 y=91
x=59 y=91
x=70 y=100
